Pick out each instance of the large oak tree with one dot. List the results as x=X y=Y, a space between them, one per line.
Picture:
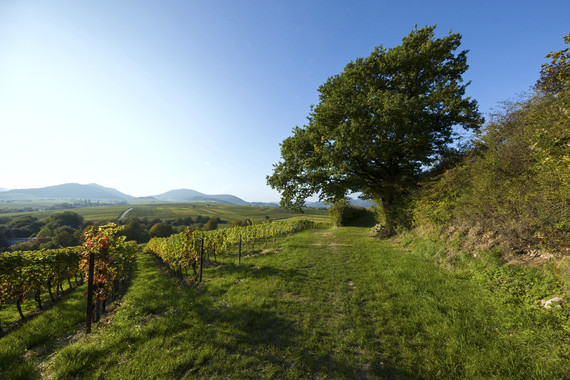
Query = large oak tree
x=378 y=124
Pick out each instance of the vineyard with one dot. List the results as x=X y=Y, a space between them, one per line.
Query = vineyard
x=186 y=250
x=26 y=275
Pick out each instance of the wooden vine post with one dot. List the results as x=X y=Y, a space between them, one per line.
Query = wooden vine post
x=201 y=258
x=89 y=312
x=239 y=251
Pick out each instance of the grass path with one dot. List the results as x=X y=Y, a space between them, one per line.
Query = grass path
x=326 y=304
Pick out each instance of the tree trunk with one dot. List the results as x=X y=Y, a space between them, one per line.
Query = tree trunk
x=395 y=212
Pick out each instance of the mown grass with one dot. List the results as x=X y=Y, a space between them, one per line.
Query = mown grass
x=327 y=304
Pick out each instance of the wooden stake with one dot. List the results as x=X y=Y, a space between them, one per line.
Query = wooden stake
x=89 y=312
x=201 y=258
x=239 y=252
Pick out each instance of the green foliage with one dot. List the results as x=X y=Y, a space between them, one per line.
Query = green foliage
x=377 y=123
x=212 y=224
x=515 y=180
x=555 y=75
x=182 y=251
x=24 y=226
x=136 y=231
x=65 y=238
x=66 y=218
x=242 y=223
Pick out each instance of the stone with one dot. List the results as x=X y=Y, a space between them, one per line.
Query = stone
x=548 y=304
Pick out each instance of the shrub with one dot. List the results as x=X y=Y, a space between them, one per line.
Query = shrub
x=342 y=213
x=515 y=180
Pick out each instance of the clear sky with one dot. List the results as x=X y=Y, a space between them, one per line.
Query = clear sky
x=149 y=96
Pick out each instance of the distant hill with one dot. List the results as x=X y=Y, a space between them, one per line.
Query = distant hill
x=3 y=189
x=186 y=195
x=66 y=192
x=95 y=192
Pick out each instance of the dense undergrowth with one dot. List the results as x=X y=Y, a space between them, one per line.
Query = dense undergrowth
x=513 y=181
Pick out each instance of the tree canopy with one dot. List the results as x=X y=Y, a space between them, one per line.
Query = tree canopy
x=378 y=123
x=555 y=75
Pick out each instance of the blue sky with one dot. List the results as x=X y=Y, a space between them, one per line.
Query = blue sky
x=149 y=96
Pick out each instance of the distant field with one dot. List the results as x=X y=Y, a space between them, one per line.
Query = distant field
x=223 y=211
x=89 y=213
x=171 y=211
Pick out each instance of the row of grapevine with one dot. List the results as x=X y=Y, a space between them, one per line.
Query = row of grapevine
x=106 y=259
x=26 y=273
x=182 y=251
x=30 y=273
x=113 y=258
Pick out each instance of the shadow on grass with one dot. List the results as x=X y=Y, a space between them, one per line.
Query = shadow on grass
x=367 y=221
x=252 y=271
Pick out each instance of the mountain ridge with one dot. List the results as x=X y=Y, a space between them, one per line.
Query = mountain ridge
x=187 y=195
x=95 y=192
x=67 y=191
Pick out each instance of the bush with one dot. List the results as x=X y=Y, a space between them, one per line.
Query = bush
x=343 y=214
x=161 y=230
x=212 y=224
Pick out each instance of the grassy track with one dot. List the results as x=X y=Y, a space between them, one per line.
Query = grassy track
x=330 y=303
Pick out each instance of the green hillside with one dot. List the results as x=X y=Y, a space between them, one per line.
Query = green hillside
x=170 y=211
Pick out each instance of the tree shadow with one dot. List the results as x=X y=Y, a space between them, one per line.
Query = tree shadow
x=241 y=340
